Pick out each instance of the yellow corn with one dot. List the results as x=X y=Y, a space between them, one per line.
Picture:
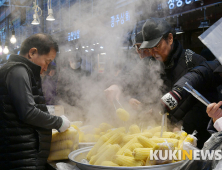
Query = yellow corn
x=89 y=138
x=98 y=144
x=115 y=139
x=127 y=152
x=59 y=155
x=96 y=137
x=180 y=144
x=94 y=158
x=127 y=161
x=134 y=129
x=165 y=134
x=189 y=138
x=97 y=131
x=154 y=130
x=118 y=130
x=127 y=138
x=169 y=140
x=135 y=145
x=108 y=154
x=108 y=163
x=105 y=126
x=61 y=145
x=70 y=133
x=147 y=143
x=122 y=114
x=81 y=136
x=183 y=135
x=127 y=145
x=141 y=153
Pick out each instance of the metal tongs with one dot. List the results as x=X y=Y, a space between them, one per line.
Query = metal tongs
x=196 y=94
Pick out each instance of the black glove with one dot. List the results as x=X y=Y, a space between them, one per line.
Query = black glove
x=171 y=100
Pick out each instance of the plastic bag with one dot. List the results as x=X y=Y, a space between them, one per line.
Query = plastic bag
x=63 y=143
x=65 y=166
x=161 y=147
x=191 y=138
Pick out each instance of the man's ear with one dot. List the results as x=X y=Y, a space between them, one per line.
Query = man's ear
x=170 y=38
x=32 y=51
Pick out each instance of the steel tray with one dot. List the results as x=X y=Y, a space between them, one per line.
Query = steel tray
x=80 y=154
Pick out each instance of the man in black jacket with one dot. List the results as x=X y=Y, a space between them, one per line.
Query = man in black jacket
x=25 y=123
x=160 y=40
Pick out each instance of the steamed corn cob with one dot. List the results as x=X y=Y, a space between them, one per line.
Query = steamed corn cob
x=169 y=140
x=141 y=153
x=94 y=150
x=115 y=139
x=127 y=161
x=134 y=129
x=127 y=152
x=108 y=154
x=189 y=138
x=96 y=137
x=59 y=155
x=135 y=145
x=147 y=143
x=165 y=134
x=154 y=130
x=127 y=145
x=70 y=133
x=94 y=158
x=97 y=131
x=183 y=135
x=108 y=163
x=122 y=114
x=118 y=130
x=105 y=126
x=61 y=145
x=127 y=138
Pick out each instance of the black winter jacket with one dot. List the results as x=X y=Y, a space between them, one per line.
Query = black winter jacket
x=25 y=124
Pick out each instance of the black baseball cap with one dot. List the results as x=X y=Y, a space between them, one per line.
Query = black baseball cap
x=138 y=38
x=153 y=31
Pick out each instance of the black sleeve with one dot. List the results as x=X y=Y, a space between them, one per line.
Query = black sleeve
x=19 y=88
x=201 y=77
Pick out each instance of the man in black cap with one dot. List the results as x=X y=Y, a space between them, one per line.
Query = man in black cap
x=160 y=40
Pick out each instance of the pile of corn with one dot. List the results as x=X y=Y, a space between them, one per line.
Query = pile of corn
x=118 y=148
x=63 y=143
x=93 y=134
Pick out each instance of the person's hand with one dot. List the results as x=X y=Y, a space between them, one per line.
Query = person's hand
x=112 y=92
x=214 y=111
x=170 y=101
x=65 y=124
x=134 y=103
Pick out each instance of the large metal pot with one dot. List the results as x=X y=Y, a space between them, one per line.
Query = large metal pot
x=78 y=155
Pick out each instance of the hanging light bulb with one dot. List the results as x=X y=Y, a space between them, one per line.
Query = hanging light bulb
x=13 y=39
x=50 y=17
x=37 y=9
x=35 y=21
x=50 y=12
x=6 y=50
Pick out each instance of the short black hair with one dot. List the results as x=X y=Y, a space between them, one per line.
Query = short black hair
x=172 y=31
x=43 y=43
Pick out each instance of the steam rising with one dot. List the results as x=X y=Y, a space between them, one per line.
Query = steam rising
x=92 y=107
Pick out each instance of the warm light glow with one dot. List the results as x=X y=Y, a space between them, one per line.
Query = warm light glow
x=13 y=39
x=6 y=51
x=0 y=49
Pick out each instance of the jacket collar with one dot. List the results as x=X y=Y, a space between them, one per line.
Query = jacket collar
x=174 y=55
x=17 y=58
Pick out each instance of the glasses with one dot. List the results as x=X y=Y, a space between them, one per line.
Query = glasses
x=156 y=48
